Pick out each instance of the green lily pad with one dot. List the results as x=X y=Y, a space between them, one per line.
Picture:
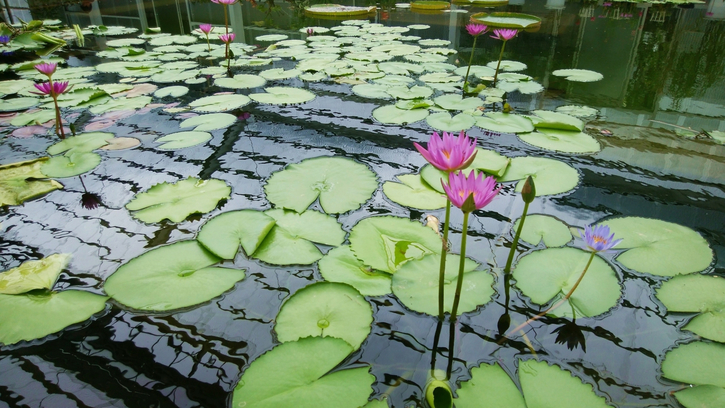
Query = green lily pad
x=414 y=92
x=173 y=91
x=702 y=396
x=699 y=364
x=414 y=192
x=180 y=140
x=33 y=316
x=341 y=265
x=565 y=141
x=555 y=120
x=457 y=102
x=527 y=87
x=440 y=77
x=70 y=165
x=176 y=201
x=341 y=185
x=387 y=243
x=577 y=110
x=17 y=104
x=550 y=176
x=408 y=104
x=223 y=234
x=578 y=75
x=21 y=181
x=37 y=117
x=12 y=86
x=659 y=247
x=489 y=386
x=400 y=68
x=271 y=37
x=546 y=276
x=219 y=103
x=392 y=115
x=121 y=104
x=282 y=95
x=443 y=121
x=540 y=227
x=508 y=66
x=506 y=20
x=212 y=121
x=697 y=294
x=279 y=73
x=241 y=81
x=299 y=374
x=325 y=309
x=81 y=143
x=30 y=275
x=547 y=385
x=171 y=277
x=488 y=161
x=416 y=284
x=371 y=91
x=313 y=77
x=479 y=71
x=505 y=122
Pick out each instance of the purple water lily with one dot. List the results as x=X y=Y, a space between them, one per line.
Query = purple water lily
x=47 y=68
x=599 y=239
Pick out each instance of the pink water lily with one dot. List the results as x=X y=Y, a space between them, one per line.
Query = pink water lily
x=46 y=88
x=227 y=38
x=205 y=28
x=476 y=29
x=504 y=34
x=460 y=187
x=47 y=68
x=450 y=153
x=226 y=2
x=599 y=239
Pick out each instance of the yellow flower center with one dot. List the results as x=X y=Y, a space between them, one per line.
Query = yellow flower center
x=447 y=154
x=597 y=239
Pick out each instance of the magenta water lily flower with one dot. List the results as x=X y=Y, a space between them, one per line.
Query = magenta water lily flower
x=460 y=187
x=450 y=153
x=205 y=28
x=46 y=88
x=227 y=38
x=476 y=29
x=504 y=34
x=599 y=239
x=47 y=68
x=227 y=2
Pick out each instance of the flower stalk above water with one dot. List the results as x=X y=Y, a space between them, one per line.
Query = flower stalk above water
x=53 y=89
x=226 y=4
x=475 y=30
x=503 y=34
x=206 y=29
x=227 y=39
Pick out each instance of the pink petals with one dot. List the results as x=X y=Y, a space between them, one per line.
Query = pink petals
x=227 y=38
x=450 y=153
x=504 y=34
x=461 y=188
x=47 y=68
x=205 y=28
x=476 y=29
x=46 y=88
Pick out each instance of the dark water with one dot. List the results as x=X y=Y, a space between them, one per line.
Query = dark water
x=662 y=65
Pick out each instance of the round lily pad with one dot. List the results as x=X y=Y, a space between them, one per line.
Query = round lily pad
x=556 y=120
x=241 y=81
x=408 y=104
x=212 y=121
x=17 y=104
x=173 y=91
x=702 y=396
x=121 y=143
x=341 y=265
x=458 y=102
x=219 y=103
x=81 y=143
x=281 y=95
x=489 y=386
x=223 y=234
x=20 y=181
x=325 y=309
x=659 y=247
x=391 y=114
x=546 y=276
x=171 y=277
x=279 y=73
x=33 y=316
x=371 y=91
x=540 y=227
x=698 y=363
x=527 y=87
x=443 y=121
x=341 y=184
x=30 y=275
x=387 y=243
x=176 y=201
x=181 y=140
x=300 y=374
x=416 y=284
x=271 y=37
x=505 y=122
x=565 y=141
x=577 y=110
x=506 y=20
x=578 y=75
x=508 y=66
x=71 y=164
x=697 y=294
x=415 y=92
x=550 y=176
x=412 y=191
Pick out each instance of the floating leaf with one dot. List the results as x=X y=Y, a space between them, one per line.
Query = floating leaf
x=562 y=141
x=20 y=182
x=281 y=95
x=547 y=385
x=17 y=104
x=219 y=103
x=697 y=294
x=659 y=247
x=443 y=121
x=387 y=243
x=555 y=120
x=414 y=192
x=546 y=276
x=121 y=143
x=341 y=265
x=371 y=91
x=577 y=110
x=271 y=37
x=241 y=81
x=30 y=317
x=279 y=73
x=341 y=184
x=181 y=140
x=171 y=277
x=537 y=227
x=699 y=364
x=121 y=104
x=415 y=104
x=527 y=87
x=414 y=92
x=205 y=123
x=36 y=274
x=71 y=164
x=173 y=91
x=457 y=102
x=392 y=115
x=223 y=234
x=578 y=75
x=81 y=143
x=325 y=309
x=507 y=65
x=176 y=201
x=505 y=122
x=416 y=284
x=702 y=396
x=506 y=20
x=550 y=176
x=36 y=117
x=298 y=374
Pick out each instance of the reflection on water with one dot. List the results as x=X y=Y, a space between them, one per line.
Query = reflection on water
x=660 y=63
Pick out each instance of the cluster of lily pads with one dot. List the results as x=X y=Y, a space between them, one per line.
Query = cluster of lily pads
x=378 y=256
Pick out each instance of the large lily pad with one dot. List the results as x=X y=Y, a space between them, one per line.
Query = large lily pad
x=283 y=95
x=212 y=121
x=416 y=284
x=392 y=115
x=699 y=364
x=82 y=143
x=578 y=75
x=697 y=294
x=546 y=276
x=540 y=227
x=180 y=140
x=17 y=104
x=21 y=181
x=659 y=247
x=70 y=165
x=414 y=192
x=298 y=374
x=219 y=103
x=556 y=120
x=443 y=121
x=171 y=277
x=505 y=122
x=550 y=176
x=341 y=265
x=223 y=234
x=176 y=201
x=387 y=243
x=30 y=275
x=33 y=316
x=341 y=184
x=325 y=309
x=565 y=141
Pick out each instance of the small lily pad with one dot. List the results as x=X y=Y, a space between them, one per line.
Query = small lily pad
x=540 y=227
x=392 y=115
x=173 y=91
x=508 y=66
x=282 y=95
x=415 y=92
x=458 y=102
x=279 y=73
x=697 y=294
x=212 y=121
x=21 y=181
x=341 y=265
x=565 y=141
x=578 y=75
x=443 y=121
x=219 y=103
x=555 y=120
x=70 y=165
x=30 y=275
x=181 y=140
x=577 y=110
x=81 y=143
x=371 y=91
x=505 y=122
x=241 y=81
x=414 y=192
x=223 y=234
x=550 y=176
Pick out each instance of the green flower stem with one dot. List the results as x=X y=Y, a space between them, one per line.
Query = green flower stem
x=557 y=304
x=58 y=122
x=442 y=274
x=208 y=46
x=226 y=31
x=470 y=61
x=459 y=283
x=515 y=243
x=500 y=56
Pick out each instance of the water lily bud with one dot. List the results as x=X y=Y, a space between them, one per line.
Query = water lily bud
x=528 y=192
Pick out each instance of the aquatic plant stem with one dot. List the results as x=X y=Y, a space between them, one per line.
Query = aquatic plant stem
x=500 y=57
x=470 y=61
x=557 y=304
x=58 y=122
x=509 y=261
x=442 y=273
x=459 y=283
x=226 y=31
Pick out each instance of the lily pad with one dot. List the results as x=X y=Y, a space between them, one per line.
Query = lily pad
x=443 y=121
x=176 y=201
x=325 y=309
x=540 y=227
x=415 y=92
x=565 y=141
x=506 y=20
x=505 y=122
x=550 y=176
x=525 y=87
x=181 y=140
x=212 y=121
x=121 y=143
x=341 y=265
x=33 y=316
x=241 y=81
x=70 y=165
x=121 y=104
x=81 y=143
x=457 y=102
x=30 y=275
x=577 y=110
x=173 y=91
x=416 y=284
x=508 y=66
x=36 y=117
x=219 y=103
x=17 y=104
x=21 y=181
x=282 y=95
x=555 y=120
x=414 y=192
x=271 y=37
x=546 y=276
x=341 y=185
x=699 y=364
x=299 y=374
x=489 y=386
x=371 y=91
x=702 y=396
x=387 y=243
x=171 y=277
x=279 y=73
x=697 y=294
x=392 y=115
x=578 y=75
x=223 y=234
x=659 y=247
